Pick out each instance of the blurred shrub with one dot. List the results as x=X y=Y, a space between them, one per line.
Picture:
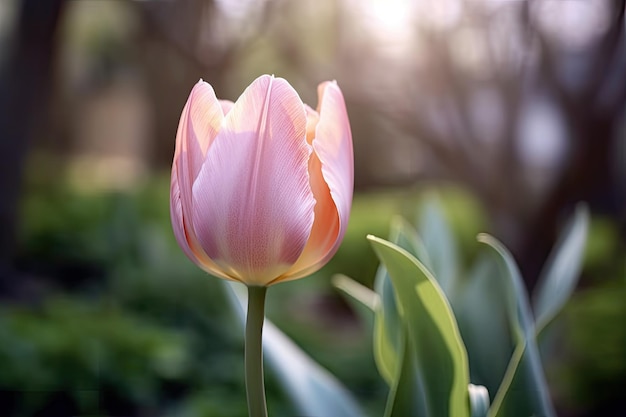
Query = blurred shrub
x=79 y=357
x=593 y=372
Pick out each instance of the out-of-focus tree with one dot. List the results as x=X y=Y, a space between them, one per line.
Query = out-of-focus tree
x=522 y=102
x=24 y=80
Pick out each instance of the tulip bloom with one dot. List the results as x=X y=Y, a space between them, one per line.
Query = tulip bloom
x=261 y=188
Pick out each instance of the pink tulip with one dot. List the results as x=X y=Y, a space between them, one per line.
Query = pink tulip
x=262 y=188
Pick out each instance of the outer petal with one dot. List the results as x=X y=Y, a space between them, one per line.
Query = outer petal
x=176 y=214
x=199 y=124
x=253 y=205
x=184 y=234
x=325 y=230
x=333 y=147
x=227 y=105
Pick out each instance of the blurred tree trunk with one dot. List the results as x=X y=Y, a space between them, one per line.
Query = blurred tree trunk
x=24 y=82
x=590 y=175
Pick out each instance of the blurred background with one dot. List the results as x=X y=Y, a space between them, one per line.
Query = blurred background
x=510 y=112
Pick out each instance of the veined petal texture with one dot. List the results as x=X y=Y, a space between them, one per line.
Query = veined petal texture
x=253 y=207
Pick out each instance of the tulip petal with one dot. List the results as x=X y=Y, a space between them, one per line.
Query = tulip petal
x=176 y=214
x=199 y=124
x=324 y=232
x=186 y=240
x=333 y=146
x=312 y=119
x=226 y=106
x=253 y=204
x=333 y=186
x=332 y=180
x=325 y=229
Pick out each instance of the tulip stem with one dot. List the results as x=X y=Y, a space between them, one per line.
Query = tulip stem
x=255 y=386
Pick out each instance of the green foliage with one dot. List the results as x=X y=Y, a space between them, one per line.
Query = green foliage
x=524 y=390
x=596 y=348
x=92 y=352
x=495 y=321
x=431 y=336
x=560 y=275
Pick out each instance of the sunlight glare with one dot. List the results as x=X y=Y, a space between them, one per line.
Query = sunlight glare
x=392 y=17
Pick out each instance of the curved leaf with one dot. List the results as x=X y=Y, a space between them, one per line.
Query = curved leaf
x=530 y=395
x=559 y=276
x=433 y=336
x=440 y=245
x=407 y=397
x=481 y=311
x=387 y=325
x=363 y=300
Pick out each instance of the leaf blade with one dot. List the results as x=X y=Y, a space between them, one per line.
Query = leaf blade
x=530 y=380
x=432 y=329
x=559 y=277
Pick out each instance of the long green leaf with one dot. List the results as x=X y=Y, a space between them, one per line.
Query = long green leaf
x=387 y=324
x=433 y=334
x=558 y=279
x=363 y=300
x=530 y=395
x=314 y=391
x=504 y=400
x=481 y=309
x=440 y=245
x=407 y=397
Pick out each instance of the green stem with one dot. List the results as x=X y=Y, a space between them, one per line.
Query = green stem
x=255 y=387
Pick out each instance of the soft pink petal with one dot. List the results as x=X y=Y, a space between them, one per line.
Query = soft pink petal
x=226 y=106
x=324 y=232
x=186 y=240
x=199 y=124
x=253 y=205
x=333 y=146
x=325 y=229
x=176 y=215
x=312 y=118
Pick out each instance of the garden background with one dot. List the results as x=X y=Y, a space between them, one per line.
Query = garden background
x=501 y=114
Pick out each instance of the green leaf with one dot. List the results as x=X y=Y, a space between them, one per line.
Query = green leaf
x=406 y=397
x=481 y=310
x=440 y=245
x=404 y=235
x=559 y=276
x=363 y=300
x=433 y=335
x=530 y=395
x=479 y=400
x=387 y=323
x=387 y=329
x=314 y=391
x=503 y=398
